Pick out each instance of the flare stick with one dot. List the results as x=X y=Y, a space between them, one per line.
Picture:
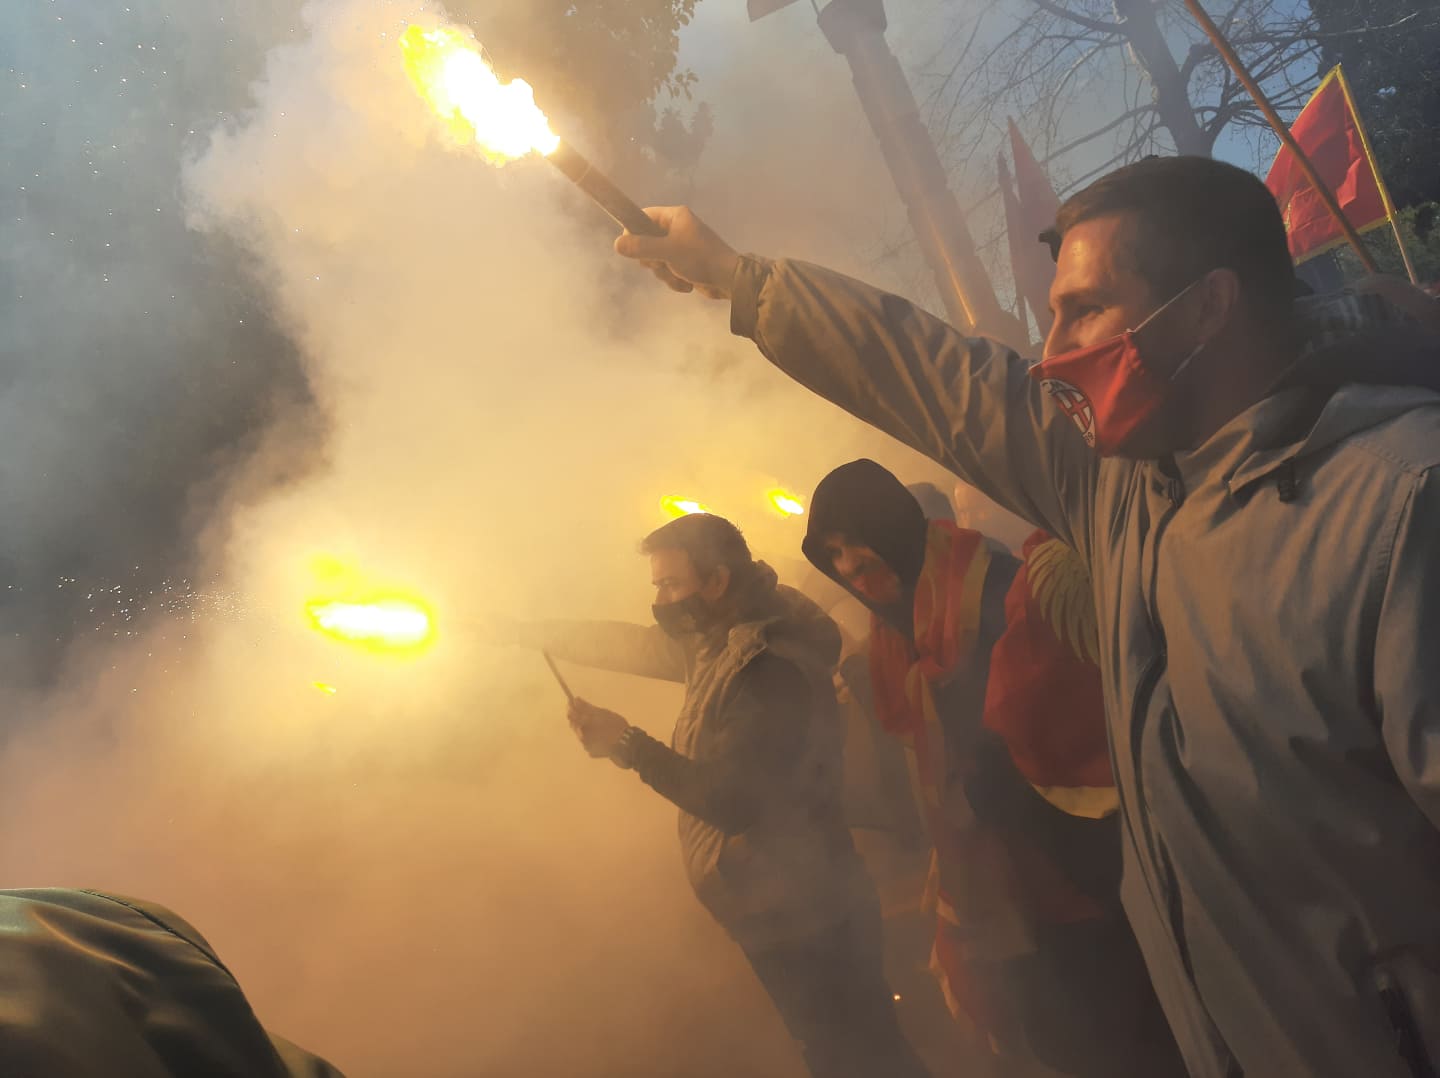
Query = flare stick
x=556 y=670
x=607 y=196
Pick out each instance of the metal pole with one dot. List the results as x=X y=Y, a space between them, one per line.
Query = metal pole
x=856 y=30
x=1279 y=127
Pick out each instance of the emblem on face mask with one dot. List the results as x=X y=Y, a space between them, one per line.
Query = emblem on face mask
x=1074 y=404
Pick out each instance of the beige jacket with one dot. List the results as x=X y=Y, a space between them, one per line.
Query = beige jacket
x=1270 y=645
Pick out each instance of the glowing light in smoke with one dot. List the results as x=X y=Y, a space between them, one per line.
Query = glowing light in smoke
x=785 y=502
x=388 y=624
x=681 y=507
x=500 y=118
x=328 y=690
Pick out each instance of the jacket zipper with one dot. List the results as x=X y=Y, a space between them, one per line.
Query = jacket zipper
x=1150 y=677
x=1139 y=706
x=1139 y=709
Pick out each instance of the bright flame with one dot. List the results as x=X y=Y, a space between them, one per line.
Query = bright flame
x=387 y=624
x=681 y=507
x=785 y=502
x=501 y=118
x=328 y=690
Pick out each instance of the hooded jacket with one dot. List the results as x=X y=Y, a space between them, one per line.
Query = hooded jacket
x=1268 y=606
x=754 y=764
x=990 y=756
x=867 y=504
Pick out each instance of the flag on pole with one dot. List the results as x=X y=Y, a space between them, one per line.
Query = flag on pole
x=1329 y=132
x=1030 y=208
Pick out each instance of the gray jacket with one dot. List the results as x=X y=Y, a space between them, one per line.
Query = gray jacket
x=1269 y=624
x=755 y=764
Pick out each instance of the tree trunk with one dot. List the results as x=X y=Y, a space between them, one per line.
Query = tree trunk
x=1172 y=96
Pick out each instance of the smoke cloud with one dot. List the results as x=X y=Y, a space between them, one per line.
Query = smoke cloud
x=282 y=335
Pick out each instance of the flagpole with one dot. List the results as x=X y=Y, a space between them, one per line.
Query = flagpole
x=1286 y=138
x=1375 y=171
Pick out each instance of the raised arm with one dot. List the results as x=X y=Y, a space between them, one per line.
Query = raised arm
x=967 y=403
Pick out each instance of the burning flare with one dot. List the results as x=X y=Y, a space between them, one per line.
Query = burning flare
x=785 y=502
x=386 y=624
x=501 y=118
x=681 y=507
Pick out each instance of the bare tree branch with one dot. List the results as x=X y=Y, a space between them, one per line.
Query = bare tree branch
x=1098 y=25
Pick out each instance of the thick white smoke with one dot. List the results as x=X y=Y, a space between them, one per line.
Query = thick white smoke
x=422 y=874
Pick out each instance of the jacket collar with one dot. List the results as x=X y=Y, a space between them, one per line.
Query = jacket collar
x=1289 y=426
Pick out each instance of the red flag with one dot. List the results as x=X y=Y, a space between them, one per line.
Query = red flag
x=1030 y=208
x=1328 y=130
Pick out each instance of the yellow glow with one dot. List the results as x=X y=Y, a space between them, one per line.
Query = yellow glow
x=681 y=507
x=386 y=624
x=501 y=118
x=328 y=690
x=785 y=502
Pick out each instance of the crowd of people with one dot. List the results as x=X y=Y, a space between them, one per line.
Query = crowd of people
x=1177 y=757
x=1247 y=480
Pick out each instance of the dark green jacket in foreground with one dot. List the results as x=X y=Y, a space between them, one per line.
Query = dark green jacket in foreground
x=95 y=985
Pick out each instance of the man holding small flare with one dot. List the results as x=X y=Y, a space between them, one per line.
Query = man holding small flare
x=1254 y=485
x=755 y=768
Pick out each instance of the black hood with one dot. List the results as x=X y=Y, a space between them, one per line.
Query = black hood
x=869 y=506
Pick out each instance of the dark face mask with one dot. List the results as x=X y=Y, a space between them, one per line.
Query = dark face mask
x=691 y=614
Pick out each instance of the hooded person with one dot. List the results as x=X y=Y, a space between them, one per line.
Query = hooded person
x=754 y=766
x=984 y=666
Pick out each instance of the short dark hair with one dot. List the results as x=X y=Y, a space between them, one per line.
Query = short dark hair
x=710 y=541
x=1195 y=215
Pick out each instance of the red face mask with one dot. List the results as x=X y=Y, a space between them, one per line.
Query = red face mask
x=1107 y=388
